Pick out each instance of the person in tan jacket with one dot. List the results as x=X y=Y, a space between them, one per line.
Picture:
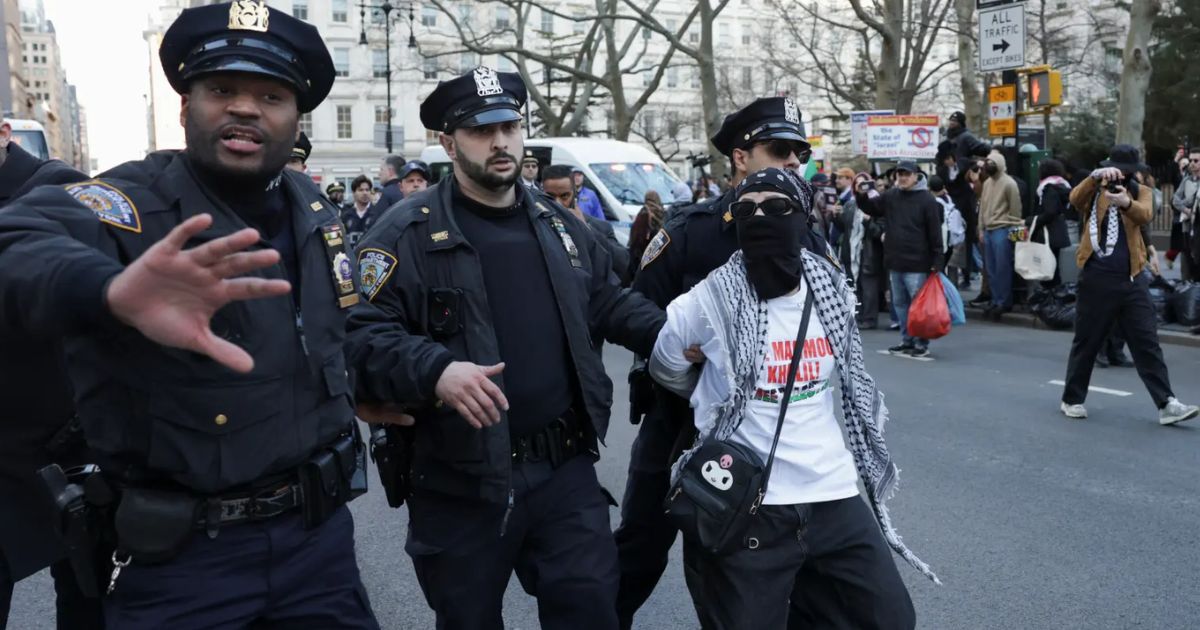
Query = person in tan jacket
x=999 y=215
x=1112 y=289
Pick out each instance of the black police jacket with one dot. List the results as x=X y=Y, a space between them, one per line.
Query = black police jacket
x=416 y=254
x=161 y=415
x=36 y=398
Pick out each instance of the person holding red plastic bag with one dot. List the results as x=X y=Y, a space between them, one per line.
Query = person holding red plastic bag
x=912 y=243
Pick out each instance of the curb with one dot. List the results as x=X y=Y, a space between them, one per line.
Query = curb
x=1171 y=337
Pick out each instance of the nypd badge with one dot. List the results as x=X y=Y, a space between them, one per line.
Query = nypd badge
x=486 y=82
x=656 y=247
x=249 y=15
x=375 y=266
x=343 y=278
x=790 y=112
x=110 y=205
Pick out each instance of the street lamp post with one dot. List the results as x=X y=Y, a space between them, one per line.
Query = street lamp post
x=386 y=9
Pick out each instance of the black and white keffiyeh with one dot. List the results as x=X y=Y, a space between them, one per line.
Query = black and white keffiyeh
x=739 y=319
x=1112 y=229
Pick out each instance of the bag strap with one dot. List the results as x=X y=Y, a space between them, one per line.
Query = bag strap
x=1033 y=229
x=797 y=350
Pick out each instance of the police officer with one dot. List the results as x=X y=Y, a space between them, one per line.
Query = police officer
x=693 y=242
x=481 y=299
x=35 y=428
x=300 y=151
x=336 y=192
x=222 y=423
x=529 y=170
x=414 y=177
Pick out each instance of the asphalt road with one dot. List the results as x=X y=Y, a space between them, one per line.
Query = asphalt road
x=1031 y=520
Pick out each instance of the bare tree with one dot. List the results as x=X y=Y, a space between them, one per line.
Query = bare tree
x=973 y=106
x=895 y=40
x=664 y=130
x=1135 y=75
x=602 y=60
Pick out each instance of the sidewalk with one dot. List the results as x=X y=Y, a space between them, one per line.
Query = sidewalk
x=1174 y=334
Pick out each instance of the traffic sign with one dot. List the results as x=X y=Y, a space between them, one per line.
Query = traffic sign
x=1002 y=110
x=1002 y=37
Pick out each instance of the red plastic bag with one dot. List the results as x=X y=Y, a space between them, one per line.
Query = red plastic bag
x=929 y=315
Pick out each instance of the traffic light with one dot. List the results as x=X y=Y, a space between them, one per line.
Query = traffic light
x=1045 y=89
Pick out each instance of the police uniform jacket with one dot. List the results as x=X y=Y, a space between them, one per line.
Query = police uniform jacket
x=37 y=400
x=418 y=249
x=162 y=415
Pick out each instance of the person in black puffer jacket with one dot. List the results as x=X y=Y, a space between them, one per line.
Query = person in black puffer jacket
x=1053 y=211
x=912 y=243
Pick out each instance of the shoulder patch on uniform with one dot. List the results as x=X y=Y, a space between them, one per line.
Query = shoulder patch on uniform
x=375 y=266
x=110 y=205
x=656 y=247
x=316 y=205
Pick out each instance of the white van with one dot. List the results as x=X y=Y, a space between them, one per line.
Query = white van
x=619 y=172
x=31 y=136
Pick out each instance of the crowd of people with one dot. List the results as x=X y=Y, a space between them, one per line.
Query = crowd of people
x=203 y=330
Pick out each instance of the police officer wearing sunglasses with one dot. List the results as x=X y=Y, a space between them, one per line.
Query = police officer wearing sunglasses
x=695 y=240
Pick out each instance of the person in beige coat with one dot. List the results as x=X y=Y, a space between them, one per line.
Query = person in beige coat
x=999 y=216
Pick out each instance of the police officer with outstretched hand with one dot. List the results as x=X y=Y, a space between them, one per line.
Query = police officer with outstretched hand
x=203 y=295
x=694 y=241
x=481 y=299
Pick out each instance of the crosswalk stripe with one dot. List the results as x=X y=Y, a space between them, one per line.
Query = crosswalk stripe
x=1102 y=390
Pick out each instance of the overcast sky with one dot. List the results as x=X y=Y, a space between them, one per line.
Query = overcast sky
x=106 y=58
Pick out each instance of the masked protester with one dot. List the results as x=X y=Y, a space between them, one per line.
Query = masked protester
x=746 y=317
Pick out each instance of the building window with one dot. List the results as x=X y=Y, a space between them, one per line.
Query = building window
x=696 y=79
x=464 y=14
x=429 y=16
x=504 y=64
x=429 y=68
x=747 y=78
x=648 y=122
x=746 y=35
x=672 y=26
x=345 y=126
x=672 y=76
x=300 y=9
x=339 y=10
x=577 y=25
x=502 y=18
x=306 y=123
x=341 y=62
x=379 y=64
x=547 y=22
x=693 y=35
x=647 y=74
x=723 y=37
x=381 y=115
x=467 y=62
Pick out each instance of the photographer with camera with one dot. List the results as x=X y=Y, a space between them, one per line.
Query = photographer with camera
x=1112 y=289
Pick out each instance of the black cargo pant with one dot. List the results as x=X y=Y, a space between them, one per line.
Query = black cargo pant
x=645 y=536
x=1102 y=301
x=557 y=539
x=829 y=558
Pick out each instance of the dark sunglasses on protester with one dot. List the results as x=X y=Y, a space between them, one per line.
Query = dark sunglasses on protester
x=772 y=207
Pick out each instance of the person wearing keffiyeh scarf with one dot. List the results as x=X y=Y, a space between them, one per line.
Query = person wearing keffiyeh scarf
x=737 y=315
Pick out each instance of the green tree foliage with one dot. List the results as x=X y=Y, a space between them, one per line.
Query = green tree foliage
x=1085 y=134
x=1171 y=102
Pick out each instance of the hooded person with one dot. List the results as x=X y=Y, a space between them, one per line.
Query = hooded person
x=1000 y=212
x=772 y=299
x=913 y=243
x=646 y=224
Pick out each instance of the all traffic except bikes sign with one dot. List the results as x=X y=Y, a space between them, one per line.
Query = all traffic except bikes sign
x=1002 y=37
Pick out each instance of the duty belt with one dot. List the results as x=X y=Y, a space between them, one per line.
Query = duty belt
x=260 y=505
x=558 y=442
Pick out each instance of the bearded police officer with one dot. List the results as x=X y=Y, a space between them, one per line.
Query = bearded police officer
x=694 y=241
x=223 y=424
x=481 y=299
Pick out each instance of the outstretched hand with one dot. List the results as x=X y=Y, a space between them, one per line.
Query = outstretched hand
x=468 y=388
x=170 y=294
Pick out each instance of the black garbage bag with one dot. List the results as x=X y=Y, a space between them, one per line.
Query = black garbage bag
x=1185 y=303
x=1057 y=310
x=1161 y=293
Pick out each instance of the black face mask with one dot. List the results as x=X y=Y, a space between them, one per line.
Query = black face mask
x=771 y=246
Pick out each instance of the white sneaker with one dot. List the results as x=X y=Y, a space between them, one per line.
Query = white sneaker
x=1176 y=411
x=1074 y=411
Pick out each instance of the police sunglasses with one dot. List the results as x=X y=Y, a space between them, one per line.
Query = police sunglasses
x=781 y=149
x=772 y=207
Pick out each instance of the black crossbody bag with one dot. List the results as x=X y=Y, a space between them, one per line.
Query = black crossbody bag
x=722 y=486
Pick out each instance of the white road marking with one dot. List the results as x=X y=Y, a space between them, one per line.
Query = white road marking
x=904 y=356
x=1102 y=390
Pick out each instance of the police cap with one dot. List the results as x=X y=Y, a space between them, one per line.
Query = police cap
x=776 y=117
x=529 y=158
x=334 y=187
x=303 y=148
x=480 y=97
x=248 y=36
x=414 y=166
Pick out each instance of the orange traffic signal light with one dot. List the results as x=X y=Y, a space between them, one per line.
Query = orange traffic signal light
x=1045 y=89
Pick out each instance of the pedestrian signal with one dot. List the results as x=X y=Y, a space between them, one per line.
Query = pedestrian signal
x=1045 y=89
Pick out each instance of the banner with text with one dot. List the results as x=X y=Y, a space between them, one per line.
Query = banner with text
x=913 y=137
x=858 y=128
